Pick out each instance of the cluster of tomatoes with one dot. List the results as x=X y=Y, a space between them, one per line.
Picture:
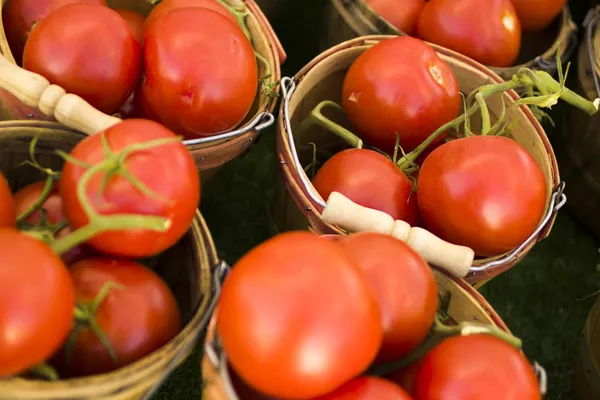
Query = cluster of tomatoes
x=173 y=67
x=487 y=31
x=396 y=95
x=304 y=316
x=72 y=295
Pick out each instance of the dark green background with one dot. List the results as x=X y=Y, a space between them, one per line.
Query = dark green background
x=542 y=299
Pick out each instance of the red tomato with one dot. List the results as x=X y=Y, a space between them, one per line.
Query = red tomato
x=297 y=318
x=535 y=15
x=404 y=287
x=473 y=368
x=368 y=388
x=137 y=319
x=135 y=20
x=371 y=180
x=169 y=171
x=166 y=6
x=487 y=31
x=7 y=204
x=404 y=14
x=201 y=73
x=103 y=69
x=484 y=192
x=399 y=86
x=19 y=17
x=36 y=302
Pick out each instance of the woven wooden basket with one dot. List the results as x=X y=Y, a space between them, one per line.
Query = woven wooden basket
x=209 y=152
x=299 y=206
x=190 y=268
x=586 y=382
x=466 y=305
x=347 y=19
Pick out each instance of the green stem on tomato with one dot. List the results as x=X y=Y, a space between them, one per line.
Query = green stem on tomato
x=44 y=371
x=240 y=16
x=316 y=117
x=46 y=191
x=486 y=123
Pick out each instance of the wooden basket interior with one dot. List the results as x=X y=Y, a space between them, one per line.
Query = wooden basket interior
x=185 y=267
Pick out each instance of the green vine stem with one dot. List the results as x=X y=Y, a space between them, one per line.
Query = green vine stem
x=44 y=371
x=316 y=117
x=46 y=192
x=240 y=16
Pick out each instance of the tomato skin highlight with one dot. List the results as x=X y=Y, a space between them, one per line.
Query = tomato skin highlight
x=8 y=214
x=368 y=388
x=487 y=31
x=167 y=170
x=475 y=367
x=484 y=192
x=19 y=16
x=135 y=20
x=190 y=84
x=36 y=302
x=103 y=69
x=404 y=287
x=536 y=15
x=404 y=15
x=402 y=86
x=371 y=180
x=274 y=339
x=167 y=6
x=137 y=319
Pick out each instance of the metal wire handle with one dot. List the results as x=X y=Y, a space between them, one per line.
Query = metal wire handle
x=557 y=200
x=260 y=122
x=542 y=377
x=221 y=271
x=589 y=23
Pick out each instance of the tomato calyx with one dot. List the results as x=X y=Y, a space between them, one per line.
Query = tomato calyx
x=240 y=15
x=44 y=371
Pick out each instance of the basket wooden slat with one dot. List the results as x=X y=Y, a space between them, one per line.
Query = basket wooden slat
x=322 y=80
x=187 y=268
x=587 y=371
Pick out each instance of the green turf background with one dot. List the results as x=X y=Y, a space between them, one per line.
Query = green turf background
x=542 y=299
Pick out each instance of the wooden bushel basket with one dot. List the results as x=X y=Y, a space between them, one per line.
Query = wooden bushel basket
x=586 y=381
x=466 y=305
x=209 y=152
x=348 y=19
x=300 y=206
x=191 y=269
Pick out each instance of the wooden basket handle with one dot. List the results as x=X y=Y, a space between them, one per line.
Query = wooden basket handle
x=251 y=4
x=36 y=91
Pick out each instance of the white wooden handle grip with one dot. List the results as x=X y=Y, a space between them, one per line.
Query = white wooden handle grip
x=342 y=211
x=36 y=91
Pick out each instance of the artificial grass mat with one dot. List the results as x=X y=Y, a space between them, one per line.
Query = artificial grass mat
x=542 y=299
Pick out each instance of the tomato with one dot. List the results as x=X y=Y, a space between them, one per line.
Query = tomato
x=371 y=180
x=169 y=171
x=7 y=204
x=36 y=302
x=297 y=318
x=201 y=73
x=135 y=20
x=137 y=318
x=484 y=192
x=476 y=367
x=399 y=86
x=405 y=377
x=166 y=6
x=103 y=69
x=535 y=15
x=367 y=388
x=404 y=286
x=20 y=16
x=487 y=31
x=404 y=15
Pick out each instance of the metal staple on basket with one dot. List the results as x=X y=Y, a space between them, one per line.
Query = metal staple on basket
x=260 y=122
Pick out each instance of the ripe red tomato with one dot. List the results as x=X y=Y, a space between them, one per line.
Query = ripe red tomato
x=103 y=69
x=399 y=86
x=7 y=204
x=487 y=31
x=392 y=267
x=371 y=180
x=191 y=84
x=169 y=171
x=137 y=319
x=297 y=318
x=19 y=17
x=535 y=15
x=166 y=6
x=404 y=15
x=36 y=302
x=368 y=388
x=476 y=367
x=135 y=20
x=484 y=192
